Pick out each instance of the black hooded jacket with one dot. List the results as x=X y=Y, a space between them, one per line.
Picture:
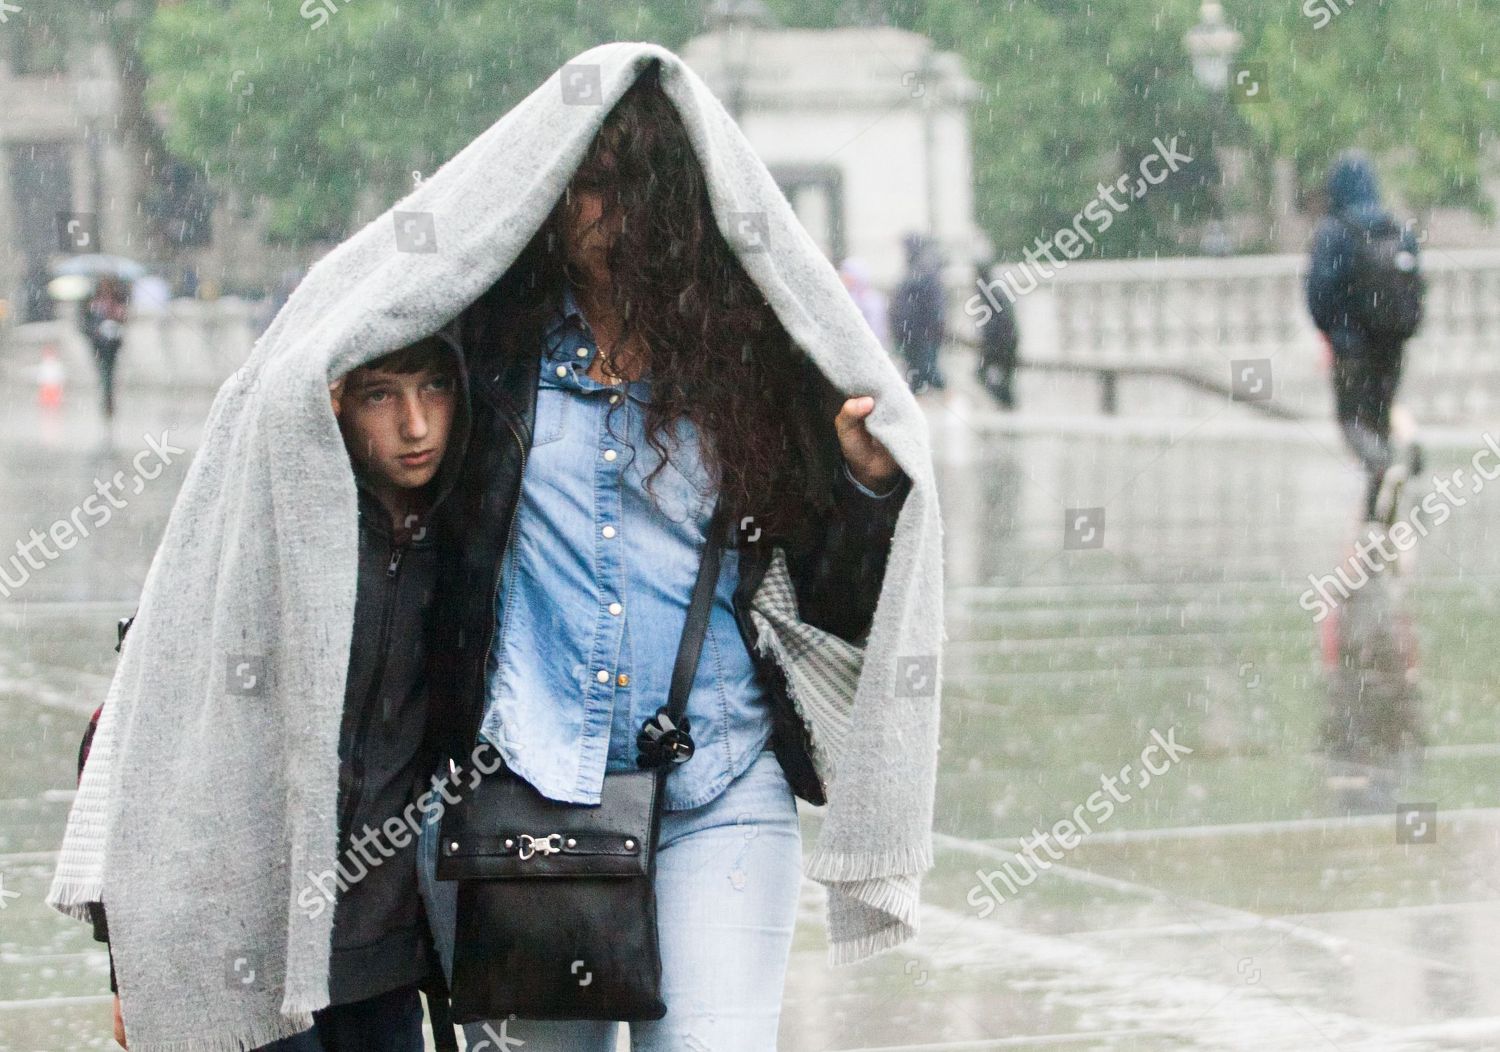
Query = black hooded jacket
x=1354 y=209
x=916 y=310
x=380 y=937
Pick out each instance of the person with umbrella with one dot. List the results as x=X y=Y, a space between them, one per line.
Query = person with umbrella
x=102 y=315
x=103 y=321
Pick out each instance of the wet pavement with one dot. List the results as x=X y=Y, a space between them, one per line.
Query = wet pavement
x=1229 y=901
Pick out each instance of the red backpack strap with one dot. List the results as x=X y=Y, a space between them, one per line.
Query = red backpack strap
x=121 y=627
x=88 y=740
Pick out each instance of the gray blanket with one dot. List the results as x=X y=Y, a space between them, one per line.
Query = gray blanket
x=210 y=792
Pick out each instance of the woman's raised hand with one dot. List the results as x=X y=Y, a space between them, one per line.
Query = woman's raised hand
x=869 y=461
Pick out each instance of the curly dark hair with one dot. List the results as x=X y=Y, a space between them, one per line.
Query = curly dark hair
x=719 y=356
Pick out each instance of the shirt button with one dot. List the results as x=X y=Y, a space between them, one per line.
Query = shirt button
x=615 y=609
x=562 y=370
x=613 y=399
x=608 y=531
x=602 y=675
x=583 y=352
x=624 y=680
x=610 y=454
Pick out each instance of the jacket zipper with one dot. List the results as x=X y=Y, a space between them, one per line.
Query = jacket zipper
x=362 y=728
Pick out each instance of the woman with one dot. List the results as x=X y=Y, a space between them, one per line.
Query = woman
x=104 y=317
x=639 y=422
x=207 y=811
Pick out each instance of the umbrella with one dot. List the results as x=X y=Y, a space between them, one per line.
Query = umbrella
x=68 y=288
x=95 y=266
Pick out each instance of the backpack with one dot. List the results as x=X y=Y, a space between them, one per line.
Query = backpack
x=1386 y=282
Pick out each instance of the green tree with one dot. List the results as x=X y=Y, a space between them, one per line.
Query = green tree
x=1416 y=82
x=309 y=113
x=1074 y=93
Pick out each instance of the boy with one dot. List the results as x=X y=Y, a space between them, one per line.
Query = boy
x=405 y=422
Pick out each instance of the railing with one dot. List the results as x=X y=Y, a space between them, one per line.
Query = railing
x=193 y=343
x=1139 y=317
x=1172 y=327
x=1108 y=373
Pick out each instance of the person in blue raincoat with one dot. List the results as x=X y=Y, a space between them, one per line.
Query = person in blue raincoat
x=1364 y=291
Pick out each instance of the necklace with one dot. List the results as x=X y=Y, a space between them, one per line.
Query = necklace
x=606 y=366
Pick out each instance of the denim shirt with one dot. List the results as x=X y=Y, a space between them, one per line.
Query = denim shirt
x=596 y=583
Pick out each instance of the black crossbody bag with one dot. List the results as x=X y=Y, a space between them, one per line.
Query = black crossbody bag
x=557 y=906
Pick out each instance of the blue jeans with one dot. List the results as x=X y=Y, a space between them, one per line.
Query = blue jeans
x=727 y=879
x=390 y=1022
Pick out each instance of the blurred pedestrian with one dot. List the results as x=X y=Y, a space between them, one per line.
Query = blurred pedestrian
x=999 y=344
x=187 y=282
x=276 y=297
x=1364 y=290
x=151 y=294
x=871 y=302
x=36 y=304
x=103 y=322
x=917 y=312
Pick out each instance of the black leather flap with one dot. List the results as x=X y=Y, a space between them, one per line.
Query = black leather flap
x=505 y=829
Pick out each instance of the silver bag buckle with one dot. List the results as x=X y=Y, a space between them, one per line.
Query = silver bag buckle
x=547 y=845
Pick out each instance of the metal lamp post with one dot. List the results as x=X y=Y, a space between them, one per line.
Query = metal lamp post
x=96 y=102
x=1212 y=45
x=736 y=22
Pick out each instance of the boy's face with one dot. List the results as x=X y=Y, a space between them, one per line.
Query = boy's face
x=395 y=425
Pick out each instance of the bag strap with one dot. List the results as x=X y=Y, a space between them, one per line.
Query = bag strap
x=1367 y=234
x=664 y=739
x=435 y=989
x=696 y=624
x=440 y=1014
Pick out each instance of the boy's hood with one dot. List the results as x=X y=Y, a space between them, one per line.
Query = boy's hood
x=463 y=422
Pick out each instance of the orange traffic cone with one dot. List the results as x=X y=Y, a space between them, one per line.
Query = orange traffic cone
x=50 y=376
